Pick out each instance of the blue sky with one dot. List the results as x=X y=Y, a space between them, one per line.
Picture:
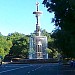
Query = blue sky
x=17 y=16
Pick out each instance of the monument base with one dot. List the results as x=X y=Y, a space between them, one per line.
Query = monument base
x=34 y=61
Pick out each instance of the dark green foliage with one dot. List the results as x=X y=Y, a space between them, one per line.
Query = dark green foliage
x=52 y=51
x=64 y=11
x=5 y=46
x=20 y=45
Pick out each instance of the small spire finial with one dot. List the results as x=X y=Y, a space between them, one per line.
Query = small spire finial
x=37 y=3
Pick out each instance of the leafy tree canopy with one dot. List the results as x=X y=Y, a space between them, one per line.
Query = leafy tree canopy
x=20 y=45
x=5 y=46
x=64 y=11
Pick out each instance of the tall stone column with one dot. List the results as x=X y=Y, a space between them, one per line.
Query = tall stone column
x=37 y=14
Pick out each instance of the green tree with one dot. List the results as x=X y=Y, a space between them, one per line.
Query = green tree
x=2 y=52
x=5 y=46
x=64 y=11
x=14 y=36
x=20 y=45
x=52 y=50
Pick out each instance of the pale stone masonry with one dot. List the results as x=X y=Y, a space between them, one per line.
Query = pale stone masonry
x=38 y=43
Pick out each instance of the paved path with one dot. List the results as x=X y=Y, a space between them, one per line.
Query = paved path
x=36 y=69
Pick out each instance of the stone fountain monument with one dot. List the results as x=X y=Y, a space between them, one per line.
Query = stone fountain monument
x=38 y=43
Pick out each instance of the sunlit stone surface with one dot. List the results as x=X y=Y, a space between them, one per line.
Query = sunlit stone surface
x=38 y=43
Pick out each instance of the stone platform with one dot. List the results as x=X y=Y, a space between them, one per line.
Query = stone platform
x=34 y=61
